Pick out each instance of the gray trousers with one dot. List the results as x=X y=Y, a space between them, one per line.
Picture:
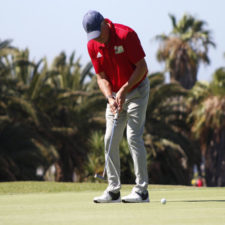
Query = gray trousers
x=132 y=117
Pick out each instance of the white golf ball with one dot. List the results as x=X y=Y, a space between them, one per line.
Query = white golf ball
x=163 y=201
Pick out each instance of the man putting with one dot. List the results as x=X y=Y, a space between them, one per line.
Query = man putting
x=119 y=62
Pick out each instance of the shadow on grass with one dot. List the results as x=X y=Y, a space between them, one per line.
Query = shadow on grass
x=198 y=201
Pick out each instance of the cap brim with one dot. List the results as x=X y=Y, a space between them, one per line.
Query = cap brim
x=93 y=35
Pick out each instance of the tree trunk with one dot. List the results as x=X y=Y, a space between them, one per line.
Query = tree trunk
x=186 y=79
x=215 y=160
x=183 y=70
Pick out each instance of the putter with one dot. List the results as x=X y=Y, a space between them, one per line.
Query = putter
x=109 y=148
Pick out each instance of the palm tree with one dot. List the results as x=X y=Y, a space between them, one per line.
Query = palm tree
x=208 y=126
x=69 y=112
x=184 y=49
x=51 y=105
x=22 y=148
x=171 y=154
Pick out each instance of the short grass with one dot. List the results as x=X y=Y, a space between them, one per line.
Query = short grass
x=45 y=203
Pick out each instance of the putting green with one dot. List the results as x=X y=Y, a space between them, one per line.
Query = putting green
x=36 y=203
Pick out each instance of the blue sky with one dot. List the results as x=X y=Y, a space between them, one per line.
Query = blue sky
x=48 y=27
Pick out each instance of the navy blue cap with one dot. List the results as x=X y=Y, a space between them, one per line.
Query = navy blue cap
x=92 y=24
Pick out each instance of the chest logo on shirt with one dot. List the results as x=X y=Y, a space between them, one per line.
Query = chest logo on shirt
x=99 y=55
x=118 y=49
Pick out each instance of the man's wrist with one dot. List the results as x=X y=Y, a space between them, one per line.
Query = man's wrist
x=109 y=96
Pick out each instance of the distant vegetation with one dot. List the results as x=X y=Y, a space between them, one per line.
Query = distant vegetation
x=52 y=116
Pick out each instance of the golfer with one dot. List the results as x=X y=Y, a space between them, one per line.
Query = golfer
x=119 y=62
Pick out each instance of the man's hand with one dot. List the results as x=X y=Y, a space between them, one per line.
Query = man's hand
x=120 y=98
x=113 y=104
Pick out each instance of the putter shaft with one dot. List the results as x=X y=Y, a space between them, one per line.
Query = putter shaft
x=109 y=148
x=110 y=142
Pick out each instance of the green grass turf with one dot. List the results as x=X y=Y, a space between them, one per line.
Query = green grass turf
x=46 y=203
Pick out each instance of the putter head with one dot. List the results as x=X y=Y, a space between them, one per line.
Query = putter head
x=99 y=177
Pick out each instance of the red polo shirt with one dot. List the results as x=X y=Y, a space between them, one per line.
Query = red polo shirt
x=118 y=57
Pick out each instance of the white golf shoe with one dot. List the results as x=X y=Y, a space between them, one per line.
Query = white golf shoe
x=136 y=197
x=108 y=197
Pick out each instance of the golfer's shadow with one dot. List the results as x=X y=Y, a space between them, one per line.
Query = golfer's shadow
x=198 y=201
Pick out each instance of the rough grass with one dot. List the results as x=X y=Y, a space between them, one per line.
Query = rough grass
x=46 y=203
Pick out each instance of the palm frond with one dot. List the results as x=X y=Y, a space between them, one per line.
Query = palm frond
x=19 y=107
x=174 y=21
x=86 y=72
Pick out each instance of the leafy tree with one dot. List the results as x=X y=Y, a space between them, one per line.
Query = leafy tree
x=184 y=49
x=52 y=106
x=22 y=148
x=171 y=153
x=207 y=120
x=71 y=110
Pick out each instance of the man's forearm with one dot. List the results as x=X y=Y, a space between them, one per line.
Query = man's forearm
x=137 y=75
x=104 y=86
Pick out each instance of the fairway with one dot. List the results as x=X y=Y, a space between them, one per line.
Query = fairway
x=43 y=203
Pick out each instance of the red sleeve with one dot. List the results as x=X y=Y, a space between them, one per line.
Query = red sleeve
x=134 y=48
x=95 y=61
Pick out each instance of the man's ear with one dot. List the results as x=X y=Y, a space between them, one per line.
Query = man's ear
x=104 y=22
